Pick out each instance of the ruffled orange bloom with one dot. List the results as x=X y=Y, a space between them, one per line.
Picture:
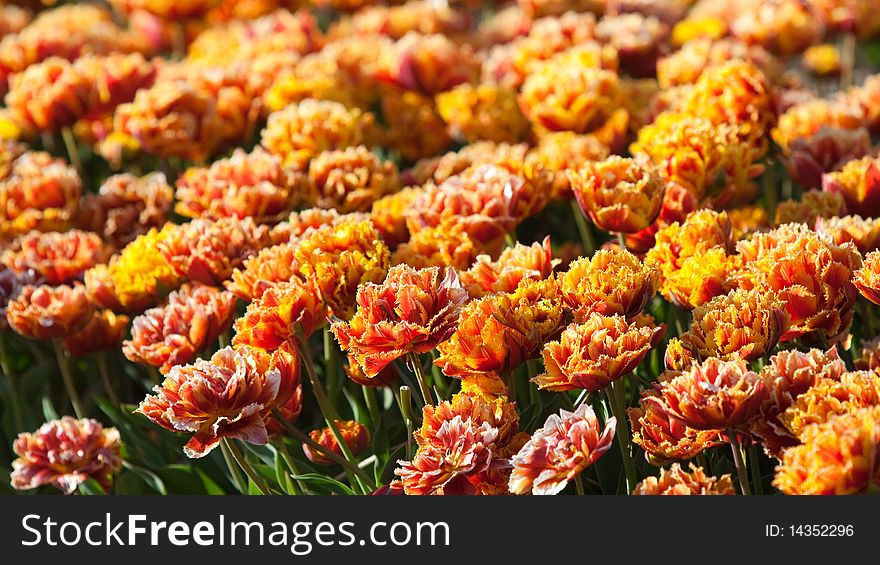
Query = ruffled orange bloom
x=808 y=158
x=748 y=220
x=175 y=333
x=744 y=323
x=570 y=97
x=449 y=244
x=593 y=354
x=103 y=332
x=464 y=446
x=486 y=111
x=126 y=206
x=613 y=281
x=208 y=251
x=662 y=436
x=44 y=312
x=618 y=194
x=677 y=204
x=337 y=259
x=134 y=279
x=804 y=121
x=559 y=451
x=171 y=119
x=355 y=435
x=56 y=257
x=48 y=95
x=788 y=375
x=515 y=264
x=499 y=332
x=262 y=271
x=15 y=19
x=167 y=10
x=388 y=215
x=349 y=180
x=428 y=64
x=488 y=200
x=814 y=204
x=677 y=482
x=395 y=21
x=684 y=67
x=693 y=257
x=865 y=98
x=276 y=317
x=859 y=183
x=413 y=125
x=841 y=456
x=714 y=395
x=869 y=355
x=39 y=192
x=386 y=377
x=561 y=150
x=301 y=131
x=861 y=232
x=410 y=311
x=229 y=396
x=244 y=185
x=66 y=453
x=305 y=221
x=829 y=397
x=812 y=275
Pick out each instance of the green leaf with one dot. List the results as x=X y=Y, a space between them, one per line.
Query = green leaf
x=329 y=484
x=49 y=412
x=150 y=478
x=91 y=487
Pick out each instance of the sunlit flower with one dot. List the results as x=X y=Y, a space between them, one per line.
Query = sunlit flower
x=349 y=180
x=439 y=169
x=260 y=272
x=561 y=150
x=678 y=202
x=618 y=194
x=464 y=446
x=410 y=311
x=66 y=453
x=303 y=130
x=207 y=251
x=840 y=456
x=814 y=204
x=412 y=124
x=808 y=158
x=449 y=244
x=429 y=64
x=134 y=279
x=859 y=183
x=812 y=275
x=559 y=451
x=355 y=435
x=103 y=332
x=500 y=331
x=596 y=352
x=39 y=192
x=783 y=26
x=677 y=482
x=744 y=324
x=803 y=121
x=664 y=437
x=230 y=396
x=486 y=111
x=863 y=233
x=829 y=397
x=58 y=257
x=44 y=312
x=388 y=215
x=244 y=185
x=171 y=119
x=49 y=95
x=516 y=263
x=788 y=375
x=336 y=259
x=386 y=377
x=714 y=395
x=305 y=221
x=126 y=206
x=175 y=333
x=685 y=66
x=283 y=312
x=570 y=97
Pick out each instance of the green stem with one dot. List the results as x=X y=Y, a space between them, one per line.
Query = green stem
x=67 y=377
x=330 y=365
x=583 y=229
x=234 y=470
x=740 y=464
x=72 y=150
x=372 y=404
x=404 y=404
x=13 y=386
x=224 y=339
x=296 y=487
x=246 y=467
x=105 y=378
x=579 y=484
x=621 y=240
x=298 y=435
x=618 y=408
x=848 y=52
x=416 y=366
x=755 y=469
